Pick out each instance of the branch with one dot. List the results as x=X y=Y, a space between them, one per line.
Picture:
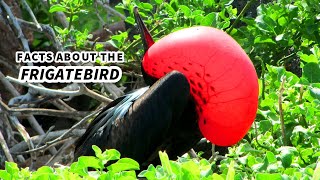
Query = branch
x=46 y=29
x=27 y=7
x=33 y=122
x=66 y=133
x=51 y=135
x=94 y=95
x=42 y=111
x=5 y=148
x=69 y=142
x=111 y=10
x=281 y=111
x=25 y=136
x=246 y=7
x=46 y=91
x=16 y=26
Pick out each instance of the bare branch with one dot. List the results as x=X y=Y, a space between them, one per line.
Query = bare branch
x=33 y=122
x=82 y=90
x=94 y=95
x=111 y=10
x=25 y=135
x=16 y=26
x=60 y=137
x=281 y=111
x=43 y=90
x=46 y=29
x=5 y=148
x=42 y=111
x=51 y=135
x=70 y=141
x=45 y=136
x=27 y=7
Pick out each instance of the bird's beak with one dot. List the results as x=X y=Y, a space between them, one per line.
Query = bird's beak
x=145 y=35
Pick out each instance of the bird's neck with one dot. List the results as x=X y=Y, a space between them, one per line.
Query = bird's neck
x=148 y=79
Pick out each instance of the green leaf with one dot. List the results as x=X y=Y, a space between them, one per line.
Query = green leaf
x=263 y=40
x=97 y=151
x=282 y=21
x=190 y=170
x=165 y=162
x=150 y=173
x=90 y=161
x=57 y=8
x=124 y=164
x=111 y=154
x=231 y=171
x=45 y=169
x=286 y=158
x=130 y=20
x=11 y=168
x=315 y=92
x=271 y=157
x=311 y=72
x=279 y=37
x=186 y=10
x=209 y=19
x=316 y=173
x=307 y=58
x=267 y=176
x=146 y=6
x=261 y=166
x=5 y=175
x=215 y=176
x=158 y=1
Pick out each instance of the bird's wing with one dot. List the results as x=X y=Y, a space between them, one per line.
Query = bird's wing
x=114 y=110
x=140 y=122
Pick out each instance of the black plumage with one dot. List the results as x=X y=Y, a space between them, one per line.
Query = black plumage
x=141 y=123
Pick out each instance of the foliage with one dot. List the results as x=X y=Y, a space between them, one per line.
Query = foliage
x=123 y=168
x=284 y=140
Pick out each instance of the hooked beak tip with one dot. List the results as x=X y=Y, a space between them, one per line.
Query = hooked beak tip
x=145 y=35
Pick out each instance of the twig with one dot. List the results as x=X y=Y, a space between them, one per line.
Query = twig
x=111 y=10
x=60 y=137
x=256 y=138
x=82 y=90
x=263 y=72
x=33 y=122
x=44 y=90
x=281 y=111
x=27 y=7
x=113 y=90
x=5 y=148
x=46 y=29
x=192 y=153
x=97 y=13
x=55 y=158
x=16 y=26
x=7 y=126
x=42 y=111
x=45 y=136
x=51 y=136
x=93 y=94
x=25 y=137
x=246 y=7
x=60 y=16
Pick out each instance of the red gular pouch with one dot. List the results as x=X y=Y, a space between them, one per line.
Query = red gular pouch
x=222 y=78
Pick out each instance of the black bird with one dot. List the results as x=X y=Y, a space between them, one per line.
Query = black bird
x=179 y=104
x=139 y=124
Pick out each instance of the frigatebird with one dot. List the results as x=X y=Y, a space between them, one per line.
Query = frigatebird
x=201 y=83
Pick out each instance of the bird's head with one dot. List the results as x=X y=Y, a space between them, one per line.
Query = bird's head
x=222 y=78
